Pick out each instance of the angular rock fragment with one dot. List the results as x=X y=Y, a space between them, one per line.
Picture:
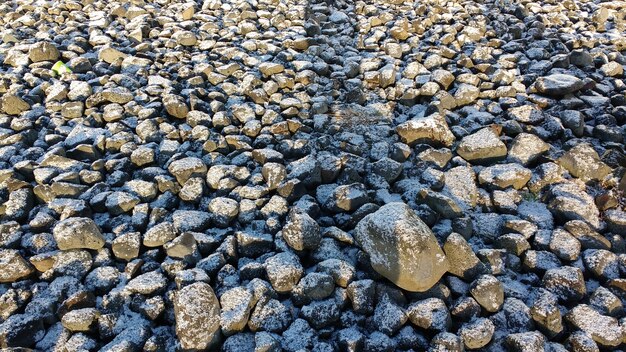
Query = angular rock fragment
x=77 y=233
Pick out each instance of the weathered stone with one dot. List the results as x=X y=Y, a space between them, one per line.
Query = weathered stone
x=76 y=233
x=197 y=313
x=431 y=129
x=401 y=247
x=482 y=146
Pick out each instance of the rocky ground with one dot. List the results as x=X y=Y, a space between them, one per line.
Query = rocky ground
x=272 y=175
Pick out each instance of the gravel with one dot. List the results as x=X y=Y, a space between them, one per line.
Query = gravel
x=312 y=175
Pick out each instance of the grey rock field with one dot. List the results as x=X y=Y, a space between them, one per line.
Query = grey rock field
x=312 y=175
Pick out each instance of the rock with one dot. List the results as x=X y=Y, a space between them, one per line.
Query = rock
x=546 y=314
x=526 y=148
x=574 y=120
x=343 y=198
x=301 y=231
x=430 y=314
x=197 y=314
x=77 y=233
x=583 y=162
x=566 y=282
x=271 y=316
x=463 y=261
x=175 y=106
x=477 y=334
x=612 y=69
x=321 y=314
x=431 y=129
x=127 y=246
x=558 y=84
x=148 y=283
x=21 y=330
x=401 y=247
x=503 y=176
x=121 y=202
x=284 y=271
x=601 y=263
x=567 y=201
x=43 y=51
x=389 y=317
x=482 y=146
x=529 y=114
x=488 y=292
x=236 y=305
x=361 y=293
x=580 y=341
x=466 y=94
x=80 y=319
x=110 y=55
x=532 y=341
x=13 y=267
x=564 y=245
x=603 y=329
x=159 y=234
x=186 y=168
x=587 y=236
x=13 y=105
x=616 y=220
x=224 y=210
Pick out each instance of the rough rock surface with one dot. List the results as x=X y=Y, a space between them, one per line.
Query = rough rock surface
x=401 y=247
x=291 y=175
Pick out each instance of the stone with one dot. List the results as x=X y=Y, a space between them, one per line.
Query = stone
x=528 y=114
x=432 y=129
x=11 y=104
x=558 y=84
x=197 y=314
x=567 y=201
x=612 y=69
x=431 y=314
x=148 y=283
x=488 y=292
x=301 y=232
x=603 y=329
x=224 y=210
x=13 y=267
x=80 y=319
x=186 y=168
x=77 y=233
x=526 y=148
x=401 y=247
x=503 y=176
x=236 y=305
x=159 y=234
x=482 y=146
x=175 y=106
x=43 y=51
x=564 y=245
x=127 y=246
x=583 y=162
x=532 y=341
x=463 y=261
x=110 y=55
x=284 y=271
x=477 y=333
x=566 y=282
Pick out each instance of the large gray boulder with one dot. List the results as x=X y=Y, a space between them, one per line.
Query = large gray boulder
x=401 y=247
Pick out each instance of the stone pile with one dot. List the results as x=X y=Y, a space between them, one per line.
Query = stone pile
x=289 y=175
